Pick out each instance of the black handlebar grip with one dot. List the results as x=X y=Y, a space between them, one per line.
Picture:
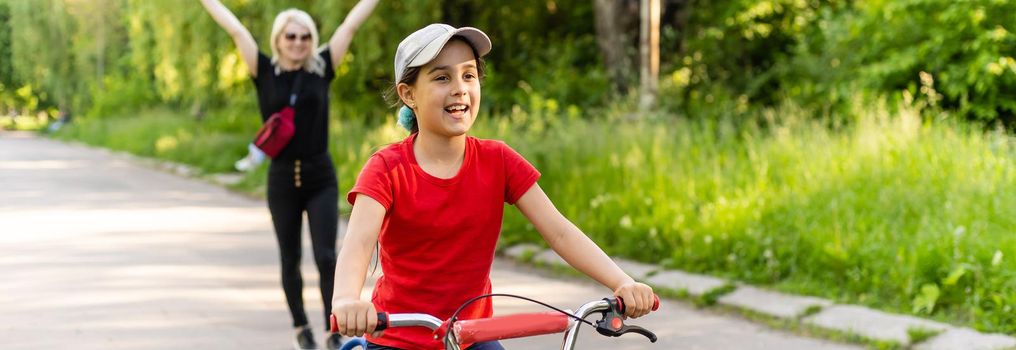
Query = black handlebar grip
x=382 y=322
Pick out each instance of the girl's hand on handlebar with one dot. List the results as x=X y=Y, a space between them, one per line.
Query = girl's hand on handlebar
x=638 y=298
x=355 y=317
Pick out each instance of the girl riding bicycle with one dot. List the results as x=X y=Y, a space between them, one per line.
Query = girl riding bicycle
x=435 y=203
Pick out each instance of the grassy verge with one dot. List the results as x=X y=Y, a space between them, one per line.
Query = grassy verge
x=211 y=145
x=892 y=211
x=710 y=300
x=797 y=326
x=22 y=123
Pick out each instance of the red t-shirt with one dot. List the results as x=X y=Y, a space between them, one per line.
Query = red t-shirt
x=438 y=235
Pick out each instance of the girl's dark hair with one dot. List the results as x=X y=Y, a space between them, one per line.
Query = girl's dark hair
x=391 y=95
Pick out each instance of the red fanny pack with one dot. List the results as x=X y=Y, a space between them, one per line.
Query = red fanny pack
x=278 y=130
x=276 y=133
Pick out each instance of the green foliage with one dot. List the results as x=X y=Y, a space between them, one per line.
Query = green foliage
x=898 y=213
x=734 y=46
x=177 y=49
x=925 y=301
x=43 y=56
x=954 y=54
x=879 y=208
x=178 y=56
x=6 y=68
x=23 y=123
x=918 y=335
x=161 y=133
x=7 y=81
x=743 y=55
x=712 y=296
x=119 y=95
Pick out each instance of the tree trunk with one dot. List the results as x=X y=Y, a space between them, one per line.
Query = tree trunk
x=613 y=24
x=649 y=50
x=457 y=13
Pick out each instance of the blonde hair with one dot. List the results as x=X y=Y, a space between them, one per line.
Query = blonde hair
x=313 y=63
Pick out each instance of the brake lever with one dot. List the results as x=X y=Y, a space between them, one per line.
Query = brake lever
x=613 y=326
x=639 y=330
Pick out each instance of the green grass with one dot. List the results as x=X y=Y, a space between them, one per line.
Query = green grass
x=868 y=214
x=22 y=123
x=712 y=296
x=164 y=134
x=918 y=335
x=902 y=213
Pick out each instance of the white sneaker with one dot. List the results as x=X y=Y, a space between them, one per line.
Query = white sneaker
x=244 y=164
x=255 y=154
x=253 y=158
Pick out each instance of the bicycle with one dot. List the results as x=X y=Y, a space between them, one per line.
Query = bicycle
x=520 y=325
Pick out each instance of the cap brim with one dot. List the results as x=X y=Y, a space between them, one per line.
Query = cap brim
x=474 y=36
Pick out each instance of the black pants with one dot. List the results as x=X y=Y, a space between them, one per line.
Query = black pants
x=295 y=186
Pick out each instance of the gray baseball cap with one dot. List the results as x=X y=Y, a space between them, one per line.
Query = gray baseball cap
x=425 y=44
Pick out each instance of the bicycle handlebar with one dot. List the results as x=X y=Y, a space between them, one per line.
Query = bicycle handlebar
x=516 y=325
x=382 y=322
x=656 y=303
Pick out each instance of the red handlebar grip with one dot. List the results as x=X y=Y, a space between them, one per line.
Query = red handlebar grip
x=656 y=303
x=510 y=326
x=334 y=327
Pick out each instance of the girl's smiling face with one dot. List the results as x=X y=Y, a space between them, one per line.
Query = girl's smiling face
x=446 y=94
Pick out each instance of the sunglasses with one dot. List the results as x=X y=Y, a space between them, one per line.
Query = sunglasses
x=293 y=36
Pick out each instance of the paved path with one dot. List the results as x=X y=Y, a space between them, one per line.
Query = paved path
x=99 y=253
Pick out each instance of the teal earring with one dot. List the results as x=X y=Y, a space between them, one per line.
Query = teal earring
x=407 y=119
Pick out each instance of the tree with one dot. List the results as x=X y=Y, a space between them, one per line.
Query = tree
x=42 y=51
x=6 y=70
x=7 y=82
x=649 y=50
x=614 y=28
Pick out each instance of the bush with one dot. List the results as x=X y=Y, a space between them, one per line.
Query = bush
x=878 y=208
x=119 y=95
x=953 y=54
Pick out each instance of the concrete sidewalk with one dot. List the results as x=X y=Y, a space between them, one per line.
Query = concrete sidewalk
x=100 y=253
x=868 y=323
